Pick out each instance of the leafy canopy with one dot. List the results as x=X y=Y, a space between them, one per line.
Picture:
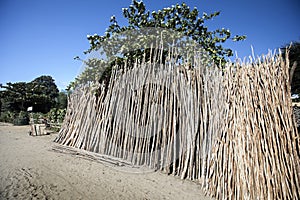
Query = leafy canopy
x=179 y=17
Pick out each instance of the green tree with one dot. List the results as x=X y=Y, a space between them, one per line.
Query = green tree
x=15 y=96
x=62 y=100
x=293 y=50
x=178 y=18
x=93 y=69
x=41 y=93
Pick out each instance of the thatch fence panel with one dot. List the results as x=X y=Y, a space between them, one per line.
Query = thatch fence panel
x=231 y=129
x=260 y=141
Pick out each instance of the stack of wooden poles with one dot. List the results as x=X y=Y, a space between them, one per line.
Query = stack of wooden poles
x=232 y=128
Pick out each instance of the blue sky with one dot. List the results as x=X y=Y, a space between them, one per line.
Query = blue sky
x=41 y=37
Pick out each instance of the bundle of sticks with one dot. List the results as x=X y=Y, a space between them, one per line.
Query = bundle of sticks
x=231 y=128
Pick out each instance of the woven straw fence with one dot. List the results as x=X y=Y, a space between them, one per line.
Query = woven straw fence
x=232 y=130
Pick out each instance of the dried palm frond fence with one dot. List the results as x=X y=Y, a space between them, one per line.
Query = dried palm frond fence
x=230 y=129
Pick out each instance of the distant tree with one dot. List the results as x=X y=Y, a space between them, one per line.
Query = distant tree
x=62 y=100
x=15 y=97
x=294 y=59
x=41 y=93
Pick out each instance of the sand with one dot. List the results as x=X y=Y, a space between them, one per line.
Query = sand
x=30 y=168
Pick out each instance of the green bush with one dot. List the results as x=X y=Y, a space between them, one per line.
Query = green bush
x=56 y=115
x=21 y=119
x=7 y=116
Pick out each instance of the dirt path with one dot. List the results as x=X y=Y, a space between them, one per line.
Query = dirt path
x=30 y=169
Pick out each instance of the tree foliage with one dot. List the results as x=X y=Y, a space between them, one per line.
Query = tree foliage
x=62 y=100
x=179 y=18
x=41 y=93
x=93 y=69
x=14 y=97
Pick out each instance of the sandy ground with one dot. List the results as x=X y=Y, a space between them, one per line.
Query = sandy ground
x=31 y=169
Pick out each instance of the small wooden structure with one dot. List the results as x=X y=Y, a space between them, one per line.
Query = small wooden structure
x=41 y=127
x=38 y=130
